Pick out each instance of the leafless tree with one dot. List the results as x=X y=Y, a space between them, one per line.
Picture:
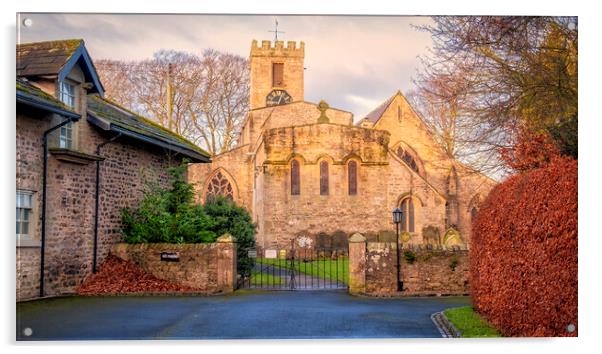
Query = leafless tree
x=207 y=95
x=487 y=73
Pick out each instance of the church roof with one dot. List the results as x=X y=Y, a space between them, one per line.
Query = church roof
x=375 y=115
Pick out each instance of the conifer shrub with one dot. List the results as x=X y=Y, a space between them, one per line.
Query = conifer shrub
x=170 y=215
x=523 y=256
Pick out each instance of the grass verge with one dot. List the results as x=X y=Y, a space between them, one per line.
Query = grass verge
x=259 y=278
x=337 y=270
x=469 y=323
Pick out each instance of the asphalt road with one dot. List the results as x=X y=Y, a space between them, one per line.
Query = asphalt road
x=244 y=315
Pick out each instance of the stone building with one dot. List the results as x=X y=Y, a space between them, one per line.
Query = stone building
x=89 y=139
x=307 y=169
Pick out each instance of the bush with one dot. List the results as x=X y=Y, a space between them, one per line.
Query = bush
x=409 y=257
x=228 y=217
x=171 y=216
x=168 y=215
x=524 y=252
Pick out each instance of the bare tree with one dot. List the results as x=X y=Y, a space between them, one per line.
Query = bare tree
x=202 y=98
x=487 y=73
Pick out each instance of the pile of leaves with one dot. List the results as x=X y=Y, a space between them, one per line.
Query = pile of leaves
x=524 y=252
x=117 y=276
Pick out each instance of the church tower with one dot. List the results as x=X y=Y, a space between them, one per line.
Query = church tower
x=276 y=73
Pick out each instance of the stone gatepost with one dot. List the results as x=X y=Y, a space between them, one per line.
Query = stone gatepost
x=226 y=263
x=357 y=264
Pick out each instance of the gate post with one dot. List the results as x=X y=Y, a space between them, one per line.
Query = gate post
x=357 y=264
x=226 y=263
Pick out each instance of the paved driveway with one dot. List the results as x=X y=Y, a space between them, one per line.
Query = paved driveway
x=299 y=314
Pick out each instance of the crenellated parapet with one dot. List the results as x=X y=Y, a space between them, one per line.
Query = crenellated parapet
x=277 y=49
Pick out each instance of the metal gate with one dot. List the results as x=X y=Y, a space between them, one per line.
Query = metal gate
x=294 y=269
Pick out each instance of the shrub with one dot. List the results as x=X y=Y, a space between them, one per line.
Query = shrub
x=523 y=259
x=453 y=263
x=228 y=217
x=171 y=216
x=168 y=215
x=409 y=257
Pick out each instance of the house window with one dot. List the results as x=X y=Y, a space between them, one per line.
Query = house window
x=352 y=177
x=68 y=97
x=219 y=185
x=24 y=213
x=323 y=178
x=277 y=74
x=295 y=178
x=66 y=136
x=67 y=94
x=407 y=215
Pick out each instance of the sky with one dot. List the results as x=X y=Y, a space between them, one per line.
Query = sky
x=353 y=62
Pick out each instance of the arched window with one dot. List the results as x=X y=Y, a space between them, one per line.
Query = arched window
x=407 y=215
x=323 y=178
x=352 y=177
x=473 y=214
x=220 y=185
x=407 y=158
x=295 y=178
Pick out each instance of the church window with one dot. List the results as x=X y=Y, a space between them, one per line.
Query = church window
x=352 y=177
x=407 y=215
x=407 y=158
x=220 y=185
x=473 y=214
x=277 y=74
x=295 y=178
x=323 y=178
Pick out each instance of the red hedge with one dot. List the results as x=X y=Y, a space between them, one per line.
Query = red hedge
x=524 y=252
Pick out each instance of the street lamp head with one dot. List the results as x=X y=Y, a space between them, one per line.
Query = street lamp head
x=397 y=215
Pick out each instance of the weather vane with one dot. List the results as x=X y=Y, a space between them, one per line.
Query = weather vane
x=276 y=30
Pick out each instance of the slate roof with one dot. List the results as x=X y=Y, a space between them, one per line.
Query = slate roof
x=375 y=115
x=129 y=123
x=33 y=96
x=45 y=58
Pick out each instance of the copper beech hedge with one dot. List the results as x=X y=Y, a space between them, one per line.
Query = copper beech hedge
x=524 y=252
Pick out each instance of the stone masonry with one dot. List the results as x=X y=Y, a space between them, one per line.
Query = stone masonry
x=209 y=267
x=126 y=170
x=423 y=270
x=442 y=190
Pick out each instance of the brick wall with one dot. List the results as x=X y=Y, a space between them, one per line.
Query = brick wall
x=209 y=267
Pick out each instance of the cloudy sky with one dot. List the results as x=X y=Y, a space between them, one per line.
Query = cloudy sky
x=353 y=62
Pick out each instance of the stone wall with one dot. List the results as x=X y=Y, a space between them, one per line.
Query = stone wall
x=208 y=267
x=125 y=171
x=261 y=58
x=438 y=271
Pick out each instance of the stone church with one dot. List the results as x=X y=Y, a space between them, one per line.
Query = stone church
x=309 y=170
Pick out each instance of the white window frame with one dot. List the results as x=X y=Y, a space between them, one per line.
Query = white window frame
x=25 y=203
x=67 y=94
x=66 y=136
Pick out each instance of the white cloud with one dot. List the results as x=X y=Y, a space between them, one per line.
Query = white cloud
x=353 y=62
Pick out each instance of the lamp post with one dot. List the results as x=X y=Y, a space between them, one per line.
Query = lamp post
x=397 y=213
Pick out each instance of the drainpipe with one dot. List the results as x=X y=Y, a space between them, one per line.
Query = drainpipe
x=44 y=192
x=97 y=200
